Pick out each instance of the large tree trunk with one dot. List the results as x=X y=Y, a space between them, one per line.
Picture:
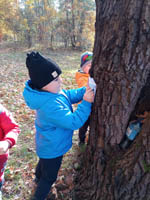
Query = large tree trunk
x=120 y=67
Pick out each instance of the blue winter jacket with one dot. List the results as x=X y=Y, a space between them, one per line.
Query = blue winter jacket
x=55 y=119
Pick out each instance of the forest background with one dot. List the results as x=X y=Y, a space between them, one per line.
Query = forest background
x=61 y=30
x=48 y=23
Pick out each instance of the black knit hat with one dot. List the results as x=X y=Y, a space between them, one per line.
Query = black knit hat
x=41 y=70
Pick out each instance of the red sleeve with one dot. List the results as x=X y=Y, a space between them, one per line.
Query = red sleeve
x=8 y=126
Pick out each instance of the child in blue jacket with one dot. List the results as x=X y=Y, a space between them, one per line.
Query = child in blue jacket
x=55 y=120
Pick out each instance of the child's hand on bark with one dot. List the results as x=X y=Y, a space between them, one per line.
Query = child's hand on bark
x=89 y=95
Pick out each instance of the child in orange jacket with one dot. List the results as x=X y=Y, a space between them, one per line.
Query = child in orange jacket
x=82 y=77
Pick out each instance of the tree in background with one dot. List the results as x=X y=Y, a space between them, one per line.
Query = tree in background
x=28 y=23
x=79 y=20
x=38 y=20
x=8 y=18
x=50 y=22
x=120 y=67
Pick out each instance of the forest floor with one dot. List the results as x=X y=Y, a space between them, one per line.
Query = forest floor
x=19 y=173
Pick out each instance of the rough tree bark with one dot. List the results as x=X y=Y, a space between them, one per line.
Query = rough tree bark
x=120 y=67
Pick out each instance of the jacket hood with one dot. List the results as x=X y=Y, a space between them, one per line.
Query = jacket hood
x=35 y=98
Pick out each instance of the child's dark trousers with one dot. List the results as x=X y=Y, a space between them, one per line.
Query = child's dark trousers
x=83 y=130
x=46 y=173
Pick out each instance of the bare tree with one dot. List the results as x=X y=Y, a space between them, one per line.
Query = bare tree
x=120 y=67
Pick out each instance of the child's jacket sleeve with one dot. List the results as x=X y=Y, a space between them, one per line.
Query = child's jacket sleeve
x=75 y=95
x=9 y=130
x=60 y=113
